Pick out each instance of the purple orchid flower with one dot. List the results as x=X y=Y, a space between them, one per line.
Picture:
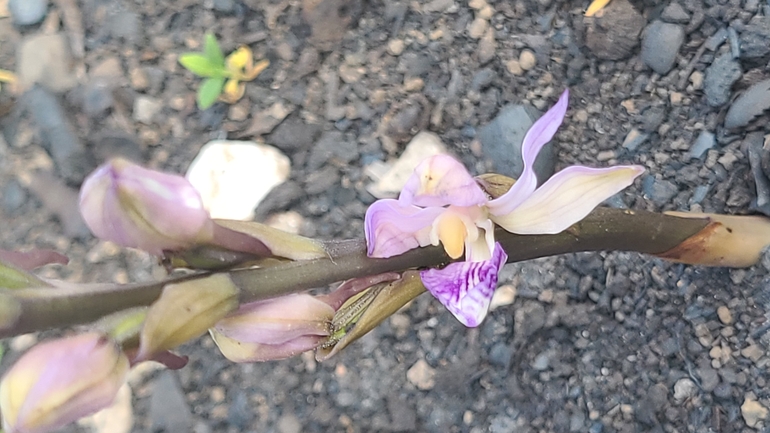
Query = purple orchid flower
x=442 y=203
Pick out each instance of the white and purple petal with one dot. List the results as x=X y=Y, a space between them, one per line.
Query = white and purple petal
x=541 y=132
x=466 y=288
x=441 y=180
x=392 y=229
x=566 y=198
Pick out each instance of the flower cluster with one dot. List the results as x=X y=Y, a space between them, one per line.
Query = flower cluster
x=441 y=203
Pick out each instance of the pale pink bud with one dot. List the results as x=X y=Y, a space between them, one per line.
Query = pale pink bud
x=59 y=381
x=141 y=208
x=274 y=329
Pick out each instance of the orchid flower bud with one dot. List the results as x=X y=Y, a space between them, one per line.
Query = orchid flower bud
x=140 y=208
x=273 y=329
x=59 y=381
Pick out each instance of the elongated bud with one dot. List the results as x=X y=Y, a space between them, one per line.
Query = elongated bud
x=728 y=240
x=140 y=208
x=273 y=329
x=185 y=311
x=59 y=381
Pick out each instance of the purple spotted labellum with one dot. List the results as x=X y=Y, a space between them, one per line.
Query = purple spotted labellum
x=442 y=203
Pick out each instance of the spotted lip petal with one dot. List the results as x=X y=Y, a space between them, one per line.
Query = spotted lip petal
x=567 y=198
x=441 y=180
x=541 y=132
x=140 y=208
x=466 y=288
x=392 y=229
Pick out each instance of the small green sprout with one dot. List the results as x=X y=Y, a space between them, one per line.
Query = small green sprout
x=224 y=76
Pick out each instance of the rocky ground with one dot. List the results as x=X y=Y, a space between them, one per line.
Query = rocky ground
x=582 y=343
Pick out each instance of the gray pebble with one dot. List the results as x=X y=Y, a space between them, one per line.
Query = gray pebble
x=502 y=138
x=168 y=407
x=755 y=38
x=659 y=191
x=700 y=193
x=703 y=143
x=97 y=98
x=500 y=355
x=13 y=197
x=709 y=379
x=27 y=12
x=675 y=13
x=735 y=48
x=541 y=362
x=58 y=135
x=661 y=44
x=752 y=103
x=715 y=40
x=331 y=144
x=755 y=144
x=720 y=77
x=482 y=79
x=224 y=6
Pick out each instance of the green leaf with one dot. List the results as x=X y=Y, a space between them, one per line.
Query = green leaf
x=209 y=91
x=200 y=65
x=212 y=51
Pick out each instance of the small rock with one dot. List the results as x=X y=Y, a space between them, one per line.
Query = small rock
x=696 y=78
x=755 y=38
x=752 y=352
x=13 y=197
x=266 y=120
x=500 y=355
x=703 y=143
x=504 y=295
x=146 y=109
x=514 y=67
x=125 y=25
x=224 y=6
x=675 y=13
x=139 y=79
x=477 y=28
x=332 y=145
x=709 y=378
x=108 y=69
x=222 y=168
x=45 y=59
x=615 y=34
x=752 y=103
x=502 y=138
x=684 y=388
x=634 y=139
x=541 y=362
x=527 y=60
x=72 y=160
x=659 y=191
x=396 y=47
x=422 y=375
x=97 y=98
x=288 y=423
x=293 y=133
x=660 y=45
x=27 y=12
x=753 y=412
x=329 y=20
x=168 y=407
x=720 y=77
x=725 y=316
x=487 y=46
x=422 y=146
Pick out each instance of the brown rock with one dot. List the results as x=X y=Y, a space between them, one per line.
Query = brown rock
x=329 y=20
x=614 y=34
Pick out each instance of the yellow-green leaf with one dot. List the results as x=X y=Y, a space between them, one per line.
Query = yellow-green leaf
x=199 y=64
x=212 y=51
x=209 y=92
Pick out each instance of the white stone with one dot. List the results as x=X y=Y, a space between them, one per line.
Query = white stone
x=146 y=109
x=753 y=412
x=46 y=60
x=422 y=146
x=684 y=388
x=234 y=176
x=422 y=375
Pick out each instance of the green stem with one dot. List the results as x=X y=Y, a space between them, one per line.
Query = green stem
x=603 y=229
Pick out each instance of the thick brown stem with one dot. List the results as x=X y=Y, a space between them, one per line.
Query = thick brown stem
x=603 y=229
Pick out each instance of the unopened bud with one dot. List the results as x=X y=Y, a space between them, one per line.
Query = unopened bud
x=274 y=329
x=59 y=381
x=140 y=208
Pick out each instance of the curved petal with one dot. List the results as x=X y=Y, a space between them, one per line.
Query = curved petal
x=392 y=229
x=466 y=288
x=482 y=247
x=538 y=135
x=441 y=180
x=566 y=198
